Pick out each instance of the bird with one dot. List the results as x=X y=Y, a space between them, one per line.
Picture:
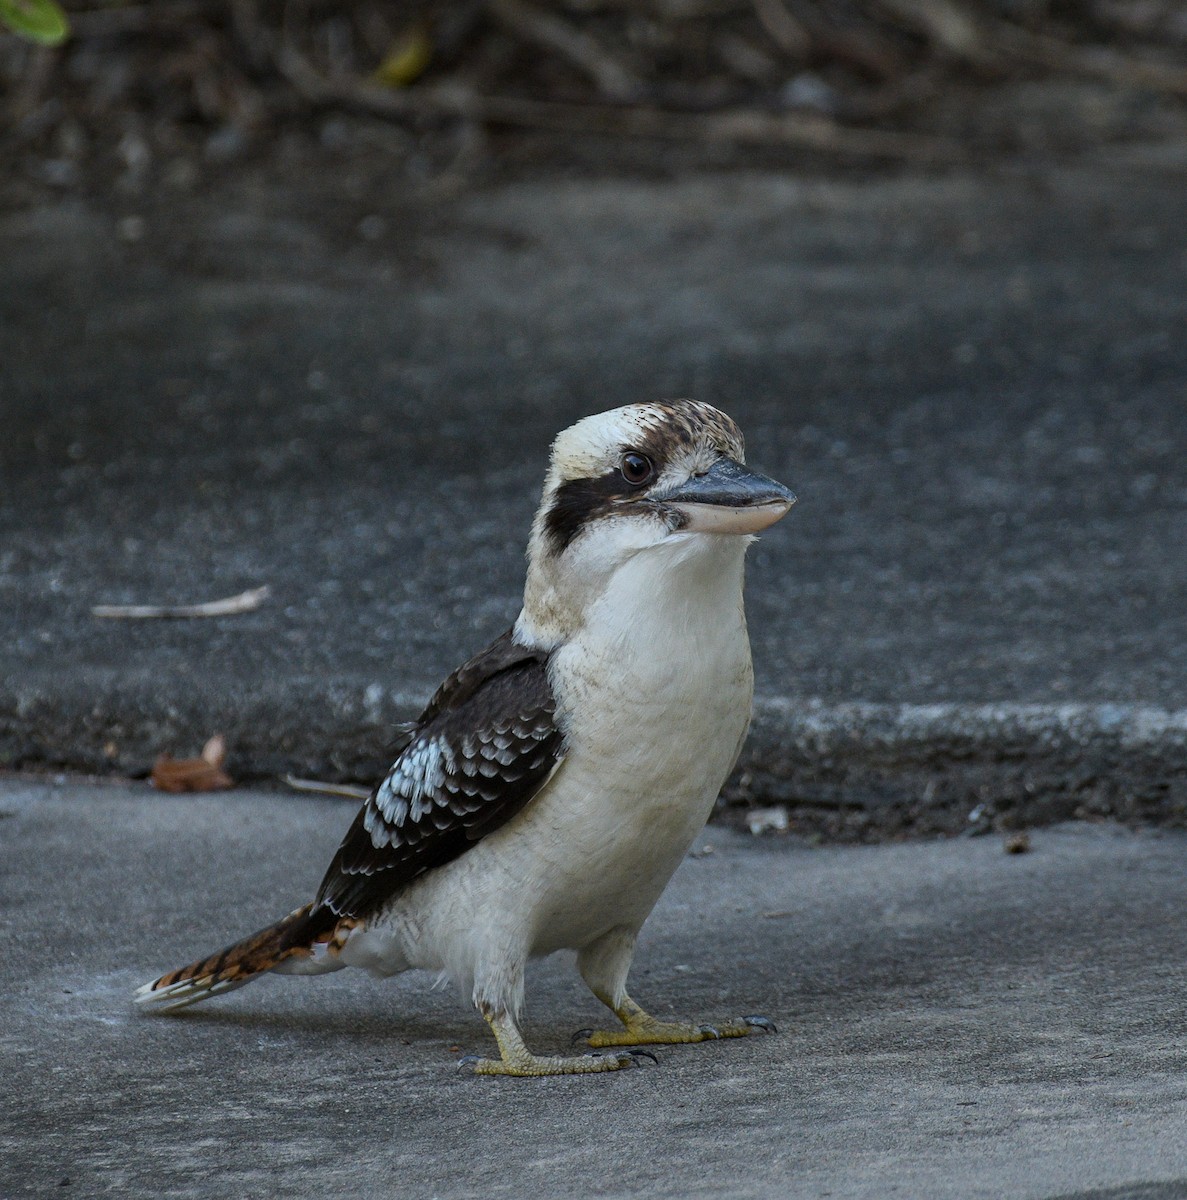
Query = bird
x=547 y=793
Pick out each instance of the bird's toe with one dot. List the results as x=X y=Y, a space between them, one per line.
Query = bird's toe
x=760 y=1022
x=634 y=1058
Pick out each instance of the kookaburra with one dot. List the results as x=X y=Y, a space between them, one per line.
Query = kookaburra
x=551 y=787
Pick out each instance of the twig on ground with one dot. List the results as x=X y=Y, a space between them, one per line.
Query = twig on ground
x=896 y=95
x=740 y=126
x=865 y=46
x=1097 y=62
x=723 y=73
x=349 y=790
x=786 y=32
x=136 y=18
x=946 y=24
x=551 y=32
x=244 y=602
x=254 y=37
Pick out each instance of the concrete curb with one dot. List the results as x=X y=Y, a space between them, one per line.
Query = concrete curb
x=858 y=770
x=852 y=771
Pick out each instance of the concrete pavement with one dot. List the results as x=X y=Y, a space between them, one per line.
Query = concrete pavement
x=955 y=1022
x=974 y=382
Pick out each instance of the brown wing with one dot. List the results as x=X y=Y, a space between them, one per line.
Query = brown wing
x=480 y=751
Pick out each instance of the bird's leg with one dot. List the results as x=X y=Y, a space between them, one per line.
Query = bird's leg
x=516 y=1059
x=604 y=965
x=640 y=1028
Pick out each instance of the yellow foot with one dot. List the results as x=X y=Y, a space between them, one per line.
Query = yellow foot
x=642 y=1029
x=517 y=1059
x=532 y=1065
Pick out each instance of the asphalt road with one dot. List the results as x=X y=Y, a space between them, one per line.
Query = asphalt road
x=973 y=381
x=955 y=1022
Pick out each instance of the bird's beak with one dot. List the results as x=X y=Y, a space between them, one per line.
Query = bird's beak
x=729 y=498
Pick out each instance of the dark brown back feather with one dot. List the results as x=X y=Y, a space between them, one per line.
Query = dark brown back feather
x=481 y=750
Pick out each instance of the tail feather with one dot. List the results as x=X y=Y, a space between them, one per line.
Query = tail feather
x=302 y=934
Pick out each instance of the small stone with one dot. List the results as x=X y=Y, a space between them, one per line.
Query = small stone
x=768 y=820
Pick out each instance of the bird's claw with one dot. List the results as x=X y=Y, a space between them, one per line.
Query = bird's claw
x=758 y=1022
x=580 y=1036
x=469 y=1061
x=630 y=1058
x=709 y=1031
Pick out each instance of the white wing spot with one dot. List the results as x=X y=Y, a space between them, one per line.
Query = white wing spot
x=419 y=773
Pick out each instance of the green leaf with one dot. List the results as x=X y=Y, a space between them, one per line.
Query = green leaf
x=407 y=58
x=39 y=20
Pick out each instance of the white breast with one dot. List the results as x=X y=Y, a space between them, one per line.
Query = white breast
x=657 y=691
x=655 y=694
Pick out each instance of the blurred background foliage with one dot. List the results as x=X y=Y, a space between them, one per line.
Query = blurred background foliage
x=38 y=20
x=899 y=79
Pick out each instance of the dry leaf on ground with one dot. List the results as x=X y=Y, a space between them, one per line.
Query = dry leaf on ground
x=202 y=774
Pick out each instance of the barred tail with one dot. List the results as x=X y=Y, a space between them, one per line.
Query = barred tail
x=302 y=934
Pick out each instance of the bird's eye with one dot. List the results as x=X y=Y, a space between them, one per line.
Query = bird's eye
x=636 y=468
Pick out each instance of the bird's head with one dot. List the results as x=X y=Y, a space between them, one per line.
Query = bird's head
x=635 y=479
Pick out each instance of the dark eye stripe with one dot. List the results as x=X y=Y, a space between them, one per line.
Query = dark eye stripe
x=579 y=501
